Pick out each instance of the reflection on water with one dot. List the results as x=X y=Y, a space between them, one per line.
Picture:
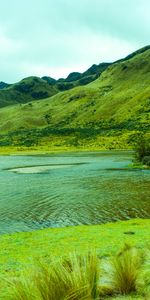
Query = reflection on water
x=71 y=189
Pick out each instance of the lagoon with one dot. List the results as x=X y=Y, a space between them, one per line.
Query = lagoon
x=68 y=189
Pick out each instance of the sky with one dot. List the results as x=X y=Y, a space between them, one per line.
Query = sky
x=56 y=37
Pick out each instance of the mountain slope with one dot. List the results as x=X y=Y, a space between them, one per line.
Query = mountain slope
x=107 y=113
x=28 y=89
x=3 y=85
x=34 y=88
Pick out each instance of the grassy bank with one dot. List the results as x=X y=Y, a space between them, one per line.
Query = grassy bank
x=108 y=141
x=21 y=251
x=13 y=150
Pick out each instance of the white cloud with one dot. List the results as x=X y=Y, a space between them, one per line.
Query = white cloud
x=9 y=46
x=82 y=51
x=56 y=37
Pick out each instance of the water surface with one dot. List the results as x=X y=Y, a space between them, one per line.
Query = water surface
x=70 y=189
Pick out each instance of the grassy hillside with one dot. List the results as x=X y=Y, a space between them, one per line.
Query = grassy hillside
x=3 y=85
x=107 y=113
x=34 y=88
x=28 y=89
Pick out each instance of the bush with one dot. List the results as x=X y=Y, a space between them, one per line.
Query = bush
x=142 y=149
x=146 y=160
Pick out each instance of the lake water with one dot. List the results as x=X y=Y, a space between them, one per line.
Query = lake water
x=70 y=189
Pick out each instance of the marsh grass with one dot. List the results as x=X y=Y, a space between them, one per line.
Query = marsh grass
x=22 y=289
x=82 y=277
x=72 y=279
x=126 y=268
x=144 y=278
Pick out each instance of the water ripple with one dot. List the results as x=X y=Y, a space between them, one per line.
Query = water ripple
x=74 y=190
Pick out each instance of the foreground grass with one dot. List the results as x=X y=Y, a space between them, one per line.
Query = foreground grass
x=22 y=251
x=80 y=277
x=19 y=250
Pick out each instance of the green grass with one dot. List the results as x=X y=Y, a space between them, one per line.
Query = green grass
x=126 y=267
x=79 y=278
x=22 y=251
x=18 y=250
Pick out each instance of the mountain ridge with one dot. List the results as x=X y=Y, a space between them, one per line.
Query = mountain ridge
x=108 y=113
x=33 y=88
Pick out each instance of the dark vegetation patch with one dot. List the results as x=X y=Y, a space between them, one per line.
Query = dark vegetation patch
x=30 y=137
x=77 y=96
x=143 y=150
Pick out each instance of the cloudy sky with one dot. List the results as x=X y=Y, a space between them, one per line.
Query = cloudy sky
x=56 y=37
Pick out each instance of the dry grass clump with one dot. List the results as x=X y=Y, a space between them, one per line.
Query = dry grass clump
x=83 y=278
x=72 y=279
x=144 y=278
x=126 y=268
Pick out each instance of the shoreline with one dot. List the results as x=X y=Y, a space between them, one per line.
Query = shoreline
x=27 y=152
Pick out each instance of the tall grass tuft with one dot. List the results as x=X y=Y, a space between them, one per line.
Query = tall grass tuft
x=85 y=275
x=144 y=280
x=85 y=278
x=126 y=268
x=76 y=278
x=22 y=289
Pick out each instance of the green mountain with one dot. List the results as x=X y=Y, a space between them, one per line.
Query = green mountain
x=108 y=113
x=77 y=79
x=28 y=89
x=3 y=85
x=34 y=88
